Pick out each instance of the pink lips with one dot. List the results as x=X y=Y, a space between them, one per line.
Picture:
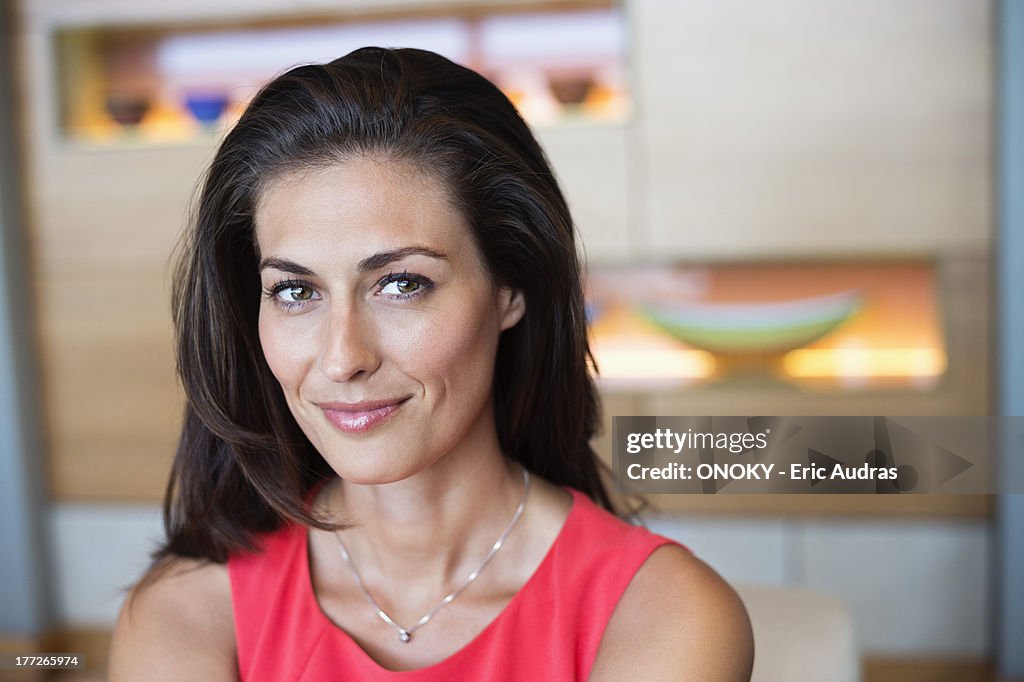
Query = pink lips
x=362 y=416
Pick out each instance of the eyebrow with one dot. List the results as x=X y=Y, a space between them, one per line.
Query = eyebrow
x=377 y=260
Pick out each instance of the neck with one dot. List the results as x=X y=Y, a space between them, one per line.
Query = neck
x=427 y=532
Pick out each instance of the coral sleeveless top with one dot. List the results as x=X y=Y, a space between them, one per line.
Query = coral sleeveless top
x=550 y=630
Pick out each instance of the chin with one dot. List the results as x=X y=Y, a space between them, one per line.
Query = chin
x=373 y=470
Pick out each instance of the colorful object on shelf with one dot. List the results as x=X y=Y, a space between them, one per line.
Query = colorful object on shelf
x=768 y=327
x=570 y=90
x=206 y=107
x=853 y=326
x=127 y=110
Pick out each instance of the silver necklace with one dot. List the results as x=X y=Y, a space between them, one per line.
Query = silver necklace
x=405 y=634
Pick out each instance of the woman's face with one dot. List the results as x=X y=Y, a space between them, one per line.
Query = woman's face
x=378 y=316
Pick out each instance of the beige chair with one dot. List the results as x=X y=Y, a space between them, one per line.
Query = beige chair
x=800 y=635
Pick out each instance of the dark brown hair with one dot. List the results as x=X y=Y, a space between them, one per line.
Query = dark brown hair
x=243 y=466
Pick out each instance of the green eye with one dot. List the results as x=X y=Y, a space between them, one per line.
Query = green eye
x=401 y=287
x=404 y=285
x=291 y=294
x=407 y=286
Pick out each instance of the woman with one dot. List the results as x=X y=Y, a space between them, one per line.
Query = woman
x=385 y=469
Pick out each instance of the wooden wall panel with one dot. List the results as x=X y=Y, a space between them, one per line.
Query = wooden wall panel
x=800 y=126
x=595 y=167
x=105 y=224
x=112 y=402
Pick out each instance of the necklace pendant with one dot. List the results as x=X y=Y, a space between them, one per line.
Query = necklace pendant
x=405 y=636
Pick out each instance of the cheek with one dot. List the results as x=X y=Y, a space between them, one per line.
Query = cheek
x=284 y=351
x=459 y=350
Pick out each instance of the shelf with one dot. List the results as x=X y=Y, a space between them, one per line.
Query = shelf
x=832 y=327
x=158 y=85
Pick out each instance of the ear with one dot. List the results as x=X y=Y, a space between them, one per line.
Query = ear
x=512 y=307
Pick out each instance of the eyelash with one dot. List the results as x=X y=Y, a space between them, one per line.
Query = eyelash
x=272 y=293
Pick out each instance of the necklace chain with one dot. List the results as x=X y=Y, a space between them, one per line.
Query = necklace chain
x=405 y=634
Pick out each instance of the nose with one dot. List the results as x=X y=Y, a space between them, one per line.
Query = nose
x=350 y=345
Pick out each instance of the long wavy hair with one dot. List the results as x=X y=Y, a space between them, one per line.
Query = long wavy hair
x=242 y=465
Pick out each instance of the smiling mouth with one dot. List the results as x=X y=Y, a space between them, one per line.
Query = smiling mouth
x=362 y=416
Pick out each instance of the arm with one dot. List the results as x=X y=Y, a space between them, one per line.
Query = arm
x=179 y=627
x=677 y=620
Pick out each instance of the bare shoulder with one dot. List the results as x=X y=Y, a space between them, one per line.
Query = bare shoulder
x=179 y=626
x=678 y=619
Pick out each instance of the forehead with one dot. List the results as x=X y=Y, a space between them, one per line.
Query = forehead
x=358 y=206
